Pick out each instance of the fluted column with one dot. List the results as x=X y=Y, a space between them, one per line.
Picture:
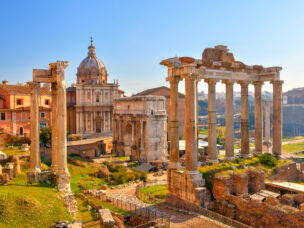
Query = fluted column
x=54 y=128
x=244 y=120
x=35 y=137
x=191 y=124
x=229 y=131
x=174 y=123
x=267 y=122
x=258 y=117
x=212 y=150
x=277 y=118
x=133 y=131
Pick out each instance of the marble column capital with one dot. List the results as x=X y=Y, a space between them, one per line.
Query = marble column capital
x=193 y=77
x=211 y=81
x=243 y=83
x=228 y=82
x=277 y=82
x=258 y=83
x=33 y=85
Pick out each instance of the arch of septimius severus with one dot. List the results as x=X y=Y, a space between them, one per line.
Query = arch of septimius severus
x=56 y=76
x=217 y=65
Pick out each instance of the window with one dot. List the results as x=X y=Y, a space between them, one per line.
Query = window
x=47 y=102
x=97 y=99
x=21 y=130
x=42 y=114
x=19 y=101
x=2 y=115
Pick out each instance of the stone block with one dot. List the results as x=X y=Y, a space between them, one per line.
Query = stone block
x=221 y=187
x=299 y=198
x=256 y=180
x=40 y=177
x=63 y=181
x=301 y=206
x=9 y=169
x=287 y=199
x=16 y=168
x=4 y=179
x=106 y=219
x=240 y=184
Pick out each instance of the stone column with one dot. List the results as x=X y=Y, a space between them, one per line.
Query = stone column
x=229 y=131
x=35 y=137
x=54 y=127
x=267 y=122
x=174 y=123
x=61 y=122
x=143 y=157
x=191 y=127
x=258 y=117
x=244 y=120
x=277 y=118
x=77 y=122
x=133 y=144
x=212 y=150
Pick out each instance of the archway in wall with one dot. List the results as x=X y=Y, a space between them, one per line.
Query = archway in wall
x=127 y=139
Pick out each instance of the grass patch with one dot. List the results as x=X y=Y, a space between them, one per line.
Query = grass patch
x=292 y=138
x=153 y=194
x=15 y=151
x=37 y=205
x=266 y=161
x=295 y=147
x=80 y=171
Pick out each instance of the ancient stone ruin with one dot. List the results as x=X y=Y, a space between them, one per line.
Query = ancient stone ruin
x=56 y=76
x=217 y=64
x=139 y=128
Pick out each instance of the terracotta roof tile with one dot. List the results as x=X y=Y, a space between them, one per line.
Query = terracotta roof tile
x=22 y=90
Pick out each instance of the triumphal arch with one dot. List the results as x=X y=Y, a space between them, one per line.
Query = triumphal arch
x=55 y=75
x=186 y=188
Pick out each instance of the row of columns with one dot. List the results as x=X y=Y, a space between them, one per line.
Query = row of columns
x=83 y=119
x=191 y=120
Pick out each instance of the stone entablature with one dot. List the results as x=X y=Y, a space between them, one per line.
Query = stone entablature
x=139 y=128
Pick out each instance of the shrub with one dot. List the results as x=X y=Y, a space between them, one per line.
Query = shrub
x=268 y=160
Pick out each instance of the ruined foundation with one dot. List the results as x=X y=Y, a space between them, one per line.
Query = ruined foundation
x=186 y=191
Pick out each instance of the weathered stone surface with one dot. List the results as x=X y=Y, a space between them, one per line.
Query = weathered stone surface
x=287 y=172
x=16 y=169
x=4 y=179
x=288 y=199
x=261 y=214
x=299 y=198
x=40 y=177
x=70 y=204
x=240 y=184
x=106 y=219
x=222 y=187
x=9 y=169
x=186 y=187
x=256 y=180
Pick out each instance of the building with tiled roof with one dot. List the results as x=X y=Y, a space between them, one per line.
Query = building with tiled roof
x=15 y=108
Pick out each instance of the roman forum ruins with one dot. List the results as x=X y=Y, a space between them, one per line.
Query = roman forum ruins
x=56 y=76
x=217 y=64
x=139 y=128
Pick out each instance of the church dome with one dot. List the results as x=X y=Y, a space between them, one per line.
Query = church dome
x=92 y=70
x=91 y=61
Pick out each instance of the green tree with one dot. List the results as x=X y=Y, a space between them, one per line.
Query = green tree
x=45 y=136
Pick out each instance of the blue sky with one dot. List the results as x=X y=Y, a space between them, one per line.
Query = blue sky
x=132 y=37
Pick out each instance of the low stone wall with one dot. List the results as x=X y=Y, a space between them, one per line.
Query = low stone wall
x=287 y=172
x=261 y=214
x=106 y=219
x=238 y=184
x=186 y=190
